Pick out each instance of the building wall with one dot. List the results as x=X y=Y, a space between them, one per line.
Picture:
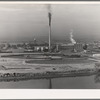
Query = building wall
x=78 y=47
x=16 y=50
x=66 y=48
x=40 y=48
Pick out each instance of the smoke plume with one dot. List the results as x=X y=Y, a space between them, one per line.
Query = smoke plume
x=49 y=14
x=71 y=38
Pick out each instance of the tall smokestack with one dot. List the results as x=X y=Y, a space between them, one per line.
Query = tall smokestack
x=49 y=16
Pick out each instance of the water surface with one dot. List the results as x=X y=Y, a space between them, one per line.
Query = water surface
x=83 y=82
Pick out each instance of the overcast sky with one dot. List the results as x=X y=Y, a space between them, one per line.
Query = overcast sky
x=26 y=21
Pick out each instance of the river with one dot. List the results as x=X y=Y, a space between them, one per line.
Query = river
x=83 y=82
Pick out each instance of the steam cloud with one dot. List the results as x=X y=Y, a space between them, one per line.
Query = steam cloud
x=71 y=38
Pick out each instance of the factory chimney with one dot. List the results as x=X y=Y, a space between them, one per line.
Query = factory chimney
x=49 y=16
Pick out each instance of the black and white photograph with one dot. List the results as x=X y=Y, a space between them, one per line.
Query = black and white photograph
x=49 y=45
